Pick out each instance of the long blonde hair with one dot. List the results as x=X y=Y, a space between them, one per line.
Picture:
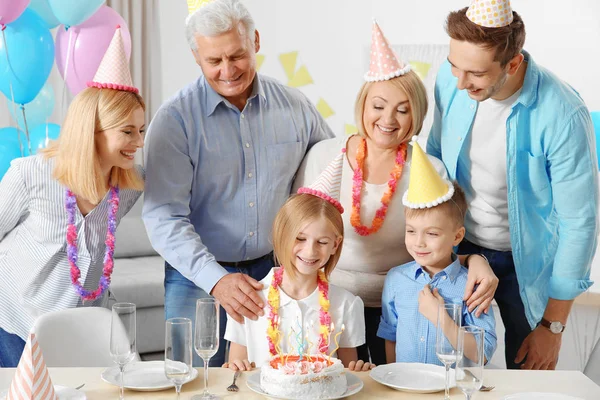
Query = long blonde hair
x=77 y=164
x=409 y=83
x=299 y=210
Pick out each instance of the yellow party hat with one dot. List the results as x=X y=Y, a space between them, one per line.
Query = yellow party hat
x=426 y=188
x=490 y=13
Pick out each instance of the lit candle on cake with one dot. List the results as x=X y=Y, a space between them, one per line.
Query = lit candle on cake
x=309 y=329
x=336 y=340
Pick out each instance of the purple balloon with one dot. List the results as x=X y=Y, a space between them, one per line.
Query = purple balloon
x=89 y=42
x=11 y=10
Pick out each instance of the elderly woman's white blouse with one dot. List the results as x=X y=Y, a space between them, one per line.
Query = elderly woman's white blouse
x=33 y=249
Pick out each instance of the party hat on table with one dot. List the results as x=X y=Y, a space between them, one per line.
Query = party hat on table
x=426 y=188
x=385 y=64
x=327 y=186
x=31 y=381
x=113 y=72
x=490 y=13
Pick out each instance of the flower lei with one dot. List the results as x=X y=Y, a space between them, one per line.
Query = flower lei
x=273 y=317
x=357 y=184
x=70 y=204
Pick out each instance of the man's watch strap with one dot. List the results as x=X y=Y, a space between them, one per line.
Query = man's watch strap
x=554 y=326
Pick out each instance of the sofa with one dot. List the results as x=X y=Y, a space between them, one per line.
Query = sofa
x=138 y=278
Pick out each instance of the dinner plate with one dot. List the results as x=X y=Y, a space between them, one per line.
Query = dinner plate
x=62 y=392
x=413 y=377
x=355 y=384
x=144 y=376
x=539 y=396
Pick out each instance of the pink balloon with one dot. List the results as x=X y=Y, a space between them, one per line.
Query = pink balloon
x=89 y=42
x=11 y=10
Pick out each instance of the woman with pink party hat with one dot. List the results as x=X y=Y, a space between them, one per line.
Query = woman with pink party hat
x=59 y=209
x=390 y=109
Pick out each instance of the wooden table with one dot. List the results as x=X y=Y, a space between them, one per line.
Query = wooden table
x=506 y=381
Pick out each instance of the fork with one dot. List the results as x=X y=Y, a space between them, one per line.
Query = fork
x=233 y=387
x=486 y=388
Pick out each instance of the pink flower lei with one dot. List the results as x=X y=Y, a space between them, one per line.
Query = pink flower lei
x=273 y=332
x=70 y=205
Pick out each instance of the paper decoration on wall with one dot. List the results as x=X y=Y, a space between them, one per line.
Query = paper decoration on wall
x=301 y=78
x=421 y=68
x=324 y=108
x=350 y=129
x=260 y=59
x=288 y=61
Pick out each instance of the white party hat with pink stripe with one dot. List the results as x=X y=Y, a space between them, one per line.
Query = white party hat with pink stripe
x=385 y=64
x=113 y=72
x=31 y=381
x=327 y=186
x=490 y=13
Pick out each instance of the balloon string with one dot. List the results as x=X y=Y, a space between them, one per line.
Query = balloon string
x=12 y=94
x=26 y=129
x=67 y=61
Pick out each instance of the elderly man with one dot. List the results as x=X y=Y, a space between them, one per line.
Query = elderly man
x=220 y=159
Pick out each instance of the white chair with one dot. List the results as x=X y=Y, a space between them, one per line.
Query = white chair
x=592 y=368
x=75 y=337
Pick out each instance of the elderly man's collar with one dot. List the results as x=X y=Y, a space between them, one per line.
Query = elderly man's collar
x=213 y=99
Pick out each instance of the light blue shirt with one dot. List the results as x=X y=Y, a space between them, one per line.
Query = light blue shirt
x=415 y=335
x=552 y=180
x=216 y=177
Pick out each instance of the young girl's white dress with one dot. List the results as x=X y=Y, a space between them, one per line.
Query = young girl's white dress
x=303 y=316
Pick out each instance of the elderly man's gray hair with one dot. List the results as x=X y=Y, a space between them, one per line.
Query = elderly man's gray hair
x=218 y=17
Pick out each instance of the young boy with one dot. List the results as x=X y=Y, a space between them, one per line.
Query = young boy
x=412 y=292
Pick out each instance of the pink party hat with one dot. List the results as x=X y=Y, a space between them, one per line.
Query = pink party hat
x=113 y=72
x=490 y=13
x=31 y=381
x=385 y=64
x=327 y=186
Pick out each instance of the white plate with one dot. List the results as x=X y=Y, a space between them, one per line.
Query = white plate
x=62 y=392
x=539 y=396
x=413 y=377
x=145 y=376
x=355 y=384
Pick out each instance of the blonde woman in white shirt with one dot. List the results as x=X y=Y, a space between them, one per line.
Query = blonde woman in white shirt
x=307 y=239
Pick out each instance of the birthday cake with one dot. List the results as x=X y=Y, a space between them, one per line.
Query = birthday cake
x=312 y=377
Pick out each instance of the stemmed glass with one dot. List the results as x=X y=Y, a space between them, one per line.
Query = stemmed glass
x=178 y=351
x=448 y=320
x=206 y=337
x=469 y=368
x=122 y=338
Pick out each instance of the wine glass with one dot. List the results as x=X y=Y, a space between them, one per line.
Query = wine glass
x=178 y=351
x=206 y=337
x=122 y=338
x=446 y=349
x=469 y=368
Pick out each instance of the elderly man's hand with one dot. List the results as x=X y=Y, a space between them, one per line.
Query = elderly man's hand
x=237 y=294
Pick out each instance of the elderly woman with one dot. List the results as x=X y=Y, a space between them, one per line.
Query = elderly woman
x=390 y=109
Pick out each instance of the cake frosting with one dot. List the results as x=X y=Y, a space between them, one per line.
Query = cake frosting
x=312 y=377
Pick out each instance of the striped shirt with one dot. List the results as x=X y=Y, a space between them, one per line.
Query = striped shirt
x=33 y=248
x=401 y=321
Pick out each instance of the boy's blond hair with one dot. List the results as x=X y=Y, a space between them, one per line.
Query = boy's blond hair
x=296 y=213
x=455 y=208
x=77 y=164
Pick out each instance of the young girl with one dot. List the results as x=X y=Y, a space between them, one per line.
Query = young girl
x=300 y=302
x=59 y=209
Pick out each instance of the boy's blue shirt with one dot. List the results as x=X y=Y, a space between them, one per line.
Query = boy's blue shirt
x=402 y=323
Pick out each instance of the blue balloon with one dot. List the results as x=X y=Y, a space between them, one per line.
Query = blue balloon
x=9 y=147
x=43 y=9
x=37 y=111
x=17 y=138
x=74 y=12
x=596 y=121
x=40 y=136
x=31 y=53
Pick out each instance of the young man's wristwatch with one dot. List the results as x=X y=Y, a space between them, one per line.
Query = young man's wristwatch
x=555 y=327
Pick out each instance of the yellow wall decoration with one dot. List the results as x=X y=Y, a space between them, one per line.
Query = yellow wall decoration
x=350 y=129
x=260 y=59
x=288 y=61
x=324 y=108
x=300 y=78
x=421 y=68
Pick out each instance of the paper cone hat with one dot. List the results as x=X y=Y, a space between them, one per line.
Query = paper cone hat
x=490 y=13
x=426 y=188
x=195 y=5
x=113 y=72
x=327 y=185
x=385 y=64
x=31 y=381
